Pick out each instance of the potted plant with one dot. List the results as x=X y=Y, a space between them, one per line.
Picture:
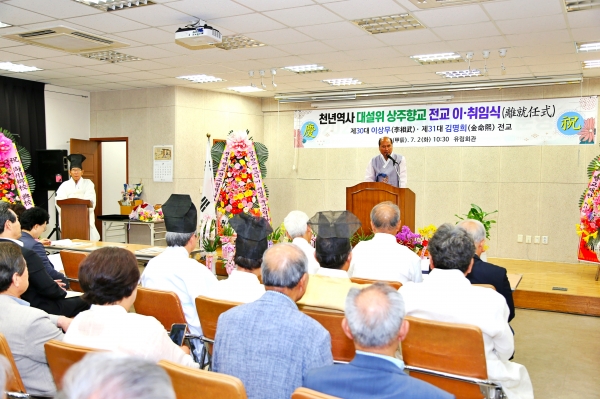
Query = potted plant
x=476 y=213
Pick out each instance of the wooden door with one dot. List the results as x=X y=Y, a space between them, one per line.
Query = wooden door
x=92 y=169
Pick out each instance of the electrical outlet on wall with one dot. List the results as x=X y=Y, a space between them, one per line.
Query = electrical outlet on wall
x=536 y=239
x=519 y=237
x=527 y=239
x=545 y=240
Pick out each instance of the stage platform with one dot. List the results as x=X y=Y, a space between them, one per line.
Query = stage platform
x=535 y=289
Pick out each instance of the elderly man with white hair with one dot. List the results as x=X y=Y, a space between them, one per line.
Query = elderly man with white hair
x=375 y=322
x=382 y=258
x=484 y=272
x=297 y=228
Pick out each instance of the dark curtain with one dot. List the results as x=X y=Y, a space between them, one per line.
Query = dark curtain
x=23 y=114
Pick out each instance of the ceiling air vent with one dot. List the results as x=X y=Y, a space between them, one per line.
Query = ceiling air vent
x=66 y=39
x=443 y=3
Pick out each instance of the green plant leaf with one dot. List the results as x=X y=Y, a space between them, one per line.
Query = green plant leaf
x=25 y=157
x=582 y=197
x=216 y=153
x=593 y=166
x=31 y=182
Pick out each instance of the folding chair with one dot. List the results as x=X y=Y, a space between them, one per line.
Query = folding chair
x=209 y=311
x=61 y=356
x=14 y=383
x=71 y=261
x=305 y=393
x=455 y=365
x=189 y=383
x=358 y=280
x=342 y=347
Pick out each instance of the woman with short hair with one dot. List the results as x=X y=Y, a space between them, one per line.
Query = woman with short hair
x=109 y=277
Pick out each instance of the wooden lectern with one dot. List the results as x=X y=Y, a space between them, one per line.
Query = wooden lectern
x=74 y=218
x=360 y=199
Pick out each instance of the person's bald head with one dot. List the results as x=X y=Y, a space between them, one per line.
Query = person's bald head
x=477 y=232
x=283 y=266
x=385 y=218
x=374 y=315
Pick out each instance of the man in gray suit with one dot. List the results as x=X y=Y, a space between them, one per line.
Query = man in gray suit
x=269 y=344
x=26 y=329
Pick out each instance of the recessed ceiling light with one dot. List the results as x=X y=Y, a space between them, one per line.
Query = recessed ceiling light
x=110 y=56
x=312 y=68
x=245 y=89
x=389 y=23
x=4 y=25
x=343 y=82
x=591 y=64
x=201 y=78
x=578 y=5
x=467 y=73
x=440 y=58
x=115 y=5
x=9 y=66
x=585 y=47
x=238 y=41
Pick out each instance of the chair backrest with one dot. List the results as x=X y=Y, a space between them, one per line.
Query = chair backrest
x=61 y=356
x=71 y=261
x=14 y=383
x=485 y=286
x=395 y=284
x=342 y=347
x=427 y=345
x=209 y=311
x=305 y=393
x=190 y=383
x=164 y=306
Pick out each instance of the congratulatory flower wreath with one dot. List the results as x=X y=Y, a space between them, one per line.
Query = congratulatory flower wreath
x=16 y=186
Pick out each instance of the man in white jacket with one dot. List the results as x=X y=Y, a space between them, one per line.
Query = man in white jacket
x=446 y=295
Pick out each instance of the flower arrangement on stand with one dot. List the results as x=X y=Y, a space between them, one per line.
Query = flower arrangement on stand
x=589 y=219
x=146 y=213
x=209 y=245
x=228 y=247
x=131 y=194
x=416 y=242
x=16 y=186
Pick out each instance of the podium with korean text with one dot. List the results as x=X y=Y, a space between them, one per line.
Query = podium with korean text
x=75 y=218
x=360 y=199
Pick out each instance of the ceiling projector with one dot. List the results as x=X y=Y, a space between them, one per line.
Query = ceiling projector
x=195 y=36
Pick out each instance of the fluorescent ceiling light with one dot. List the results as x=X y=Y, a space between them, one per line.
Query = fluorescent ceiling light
x=115 y=5
x=440 y=58
x=578 y=5
x=388 y=23
x=467 y=73
x=201 y=78
x=110 y=56
x=9 y=66
x=382 y=102
x=585 y=47
x=245 y=89
x=343 y=82
x=4 y=25
x=306 y=68
x=238 y=41
x=591 y=64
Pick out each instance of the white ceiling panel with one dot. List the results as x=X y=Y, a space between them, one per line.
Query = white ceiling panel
x=140 y=75
x=280 y=36
x=584 y=19
x=112 y=78
x=55 y=8
x=141 y=84
x=114 y=68
x=550 y=59
x=9 y=43
x=148 y=36
x=409 y=37
x=306 y=48
x=107 y=22
x=75 y=60
x=268 y=5
x=46 y=64
x=555 y=48
x=373 y=53
x=529 y=25
x=47 y=74
x=570 y=67
x=355 y=9
x=327 y=58
x=500 y=10
x=260 y=52
x=355 y=43
x=113 y=86
x=456 y=15
x=586 y=34
x=540 y=38
x=479 y=44
x=482 y=29
x=13 y=57
x=279 y=62
x=334 y=30
x=209 y=10
x=148 y=52
x=430 y=48
x=156 y=15
x=247 y=23
x=82 y=71
x=18 y=16
x=34 y=51
x=303 y=16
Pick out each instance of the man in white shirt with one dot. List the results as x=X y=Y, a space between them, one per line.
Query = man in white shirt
x=446 y=295
x=243 y=285
x=78 y=187
x=382 y=258
x=387 y=167
x=297 y=228
x=174 y=270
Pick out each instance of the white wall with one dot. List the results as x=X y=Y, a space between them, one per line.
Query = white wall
x=67 y=116
x=114 y=175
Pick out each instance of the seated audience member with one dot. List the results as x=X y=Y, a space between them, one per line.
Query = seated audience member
x=297 y=228
x=243 y=285
x=26 y=329
x=33 y=224
x=18 y=209
x=116 y=376
x=43 y=292
x=330 y=285
x=375 y=322
x=382 y=258
x=484 y=272
x=109 y=277
x=446 y=295
x=174 y=270
x=269 y=344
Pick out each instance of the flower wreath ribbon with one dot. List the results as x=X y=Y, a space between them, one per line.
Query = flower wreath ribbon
x=8 y=151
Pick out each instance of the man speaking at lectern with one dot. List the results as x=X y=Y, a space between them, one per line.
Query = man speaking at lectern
x=387 y=167
x=78 y=187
